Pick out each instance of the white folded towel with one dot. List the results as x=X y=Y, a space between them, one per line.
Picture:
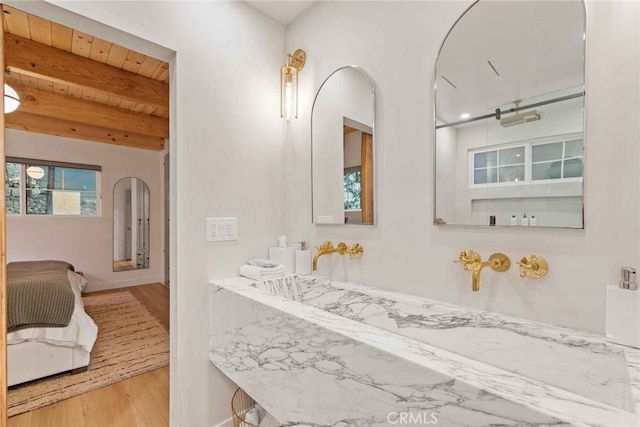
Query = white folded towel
x=252 y=416
x=261 y=273
x=260 y=262
x=269 y=421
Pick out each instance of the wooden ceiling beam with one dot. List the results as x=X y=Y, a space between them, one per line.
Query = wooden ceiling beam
x=38 y=60
x=48 y=104
x=40 y=124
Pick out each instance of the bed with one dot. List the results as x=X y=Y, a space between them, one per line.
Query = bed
x=38 y=347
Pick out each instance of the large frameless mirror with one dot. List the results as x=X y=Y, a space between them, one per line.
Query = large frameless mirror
x=130 y=225
x=342 y=149
x=509 y=115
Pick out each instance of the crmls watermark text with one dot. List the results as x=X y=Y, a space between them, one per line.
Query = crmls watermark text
x=421 y=418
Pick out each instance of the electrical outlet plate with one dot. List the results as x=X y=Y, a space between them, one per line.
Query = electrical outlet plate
x=221 y=229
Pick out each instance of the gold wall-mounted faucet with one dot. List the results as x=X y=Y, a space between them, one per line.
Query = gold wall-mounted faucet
x=471 y=260
x=354 y=251
x=533 y=267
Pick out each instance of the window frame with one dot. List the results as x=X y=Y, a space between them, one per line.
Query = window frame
x=23 y=162
x=528 y=163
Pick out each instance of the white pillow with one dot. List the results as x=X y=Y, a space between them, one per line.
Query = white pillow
x=78 y=282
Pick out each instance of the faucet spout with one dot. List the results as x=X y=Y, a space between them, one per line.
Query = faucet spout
x=477 y=269
x=315 y=259
x=328 y=248
x=470 y=260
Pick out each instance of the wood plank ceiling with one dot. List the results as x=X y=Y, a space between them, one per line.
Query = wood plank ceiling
x=76 y=85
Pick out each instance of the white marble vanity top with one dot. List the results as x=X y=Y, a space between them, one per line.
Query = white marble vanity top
x=600 y=384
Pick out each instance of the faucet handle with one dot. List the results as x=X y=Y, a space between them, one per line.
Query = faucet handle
x=356 y=251
x=468 y=257
x=326 y=246
x=533 y=267
x=342 y=248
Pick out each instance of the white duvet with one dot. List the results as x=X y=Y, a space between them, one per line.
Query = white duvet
x=82 y=331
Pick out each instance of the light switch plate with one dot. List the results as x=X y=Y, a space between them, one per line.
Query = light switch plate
x=221 y=229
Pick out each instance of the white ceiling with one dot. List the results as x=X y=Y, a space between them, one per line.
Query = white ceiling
x=536 y=48
x=282 y=11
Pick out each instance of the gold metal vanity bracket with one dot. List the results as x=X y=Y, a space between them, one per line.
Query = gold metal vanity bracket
x=471 y=260
x=354 y=251
x=533 y=267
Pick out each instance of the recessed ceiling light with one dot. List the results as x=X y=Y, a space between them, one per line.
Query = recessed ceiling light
x=465 y=116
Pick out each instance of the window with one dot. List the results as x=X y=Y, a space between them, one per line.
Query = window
x=37 y=187
x=12 y=192
x=528 y=162
x=352 y=188
x=558 y=160
x=504 y=165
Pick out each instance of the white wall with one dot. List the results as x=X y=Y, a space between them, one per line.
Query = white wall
x=353 y=149
x=447 y=174
x=397 y=43
x=86 y=242
x=227 y=145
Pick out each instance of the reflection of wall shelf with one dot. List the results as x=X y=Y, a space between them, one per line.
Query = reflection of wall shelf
x=557 y=211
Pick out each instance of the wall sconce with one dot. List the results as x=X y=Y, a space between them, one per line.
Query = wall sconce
x=289 y=84
x=11 y=99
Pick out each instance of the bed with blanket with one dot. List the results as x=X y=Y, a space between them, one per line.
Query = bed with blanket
x=48 y=329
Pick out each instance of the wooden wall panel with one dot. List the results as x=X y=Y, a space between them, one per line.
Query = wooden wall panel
x=366 y=178
x=3 y=256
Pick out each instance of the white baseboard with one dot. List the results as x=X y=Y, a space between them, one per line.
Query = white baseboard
x=103 y=286
x=226 y=423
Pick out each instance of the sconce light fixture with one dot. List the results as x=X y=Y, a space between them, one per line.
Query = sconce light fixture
x=289 y=84
x=11 y=99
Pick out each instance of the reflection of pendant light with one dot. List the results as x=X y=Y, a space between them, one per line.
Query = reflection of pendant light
x=35 y=172
x=11 y=99
x=289 y=84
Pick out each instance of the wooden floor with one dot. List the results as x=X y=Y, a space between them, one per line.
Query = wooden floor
x=138 y=401
x=123 y=265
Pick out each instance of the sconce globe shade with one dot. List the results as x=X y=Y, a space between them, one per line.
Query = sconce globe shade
x=11 y=99
x=35 y=172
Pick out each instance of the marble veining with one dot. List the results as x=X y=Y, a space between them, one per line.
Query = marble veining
x=576 y=361
x=315 y=367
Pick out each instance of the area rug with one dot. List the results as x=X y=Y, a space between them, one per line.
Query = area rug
x=130 y=342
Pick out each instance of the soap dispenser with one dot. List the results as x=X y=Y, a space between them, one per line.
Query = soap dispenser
x=303 y=259
x=623 y=310
x=524 y=221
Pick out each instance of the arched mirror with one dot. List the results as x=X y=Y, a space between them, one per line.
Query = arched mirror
x=342 y=149
x=509 y=115
x=130 y=224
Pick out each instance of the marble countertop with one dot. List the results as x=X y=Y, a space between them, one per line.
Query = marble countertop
x=540 y=396
x=578 y=361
